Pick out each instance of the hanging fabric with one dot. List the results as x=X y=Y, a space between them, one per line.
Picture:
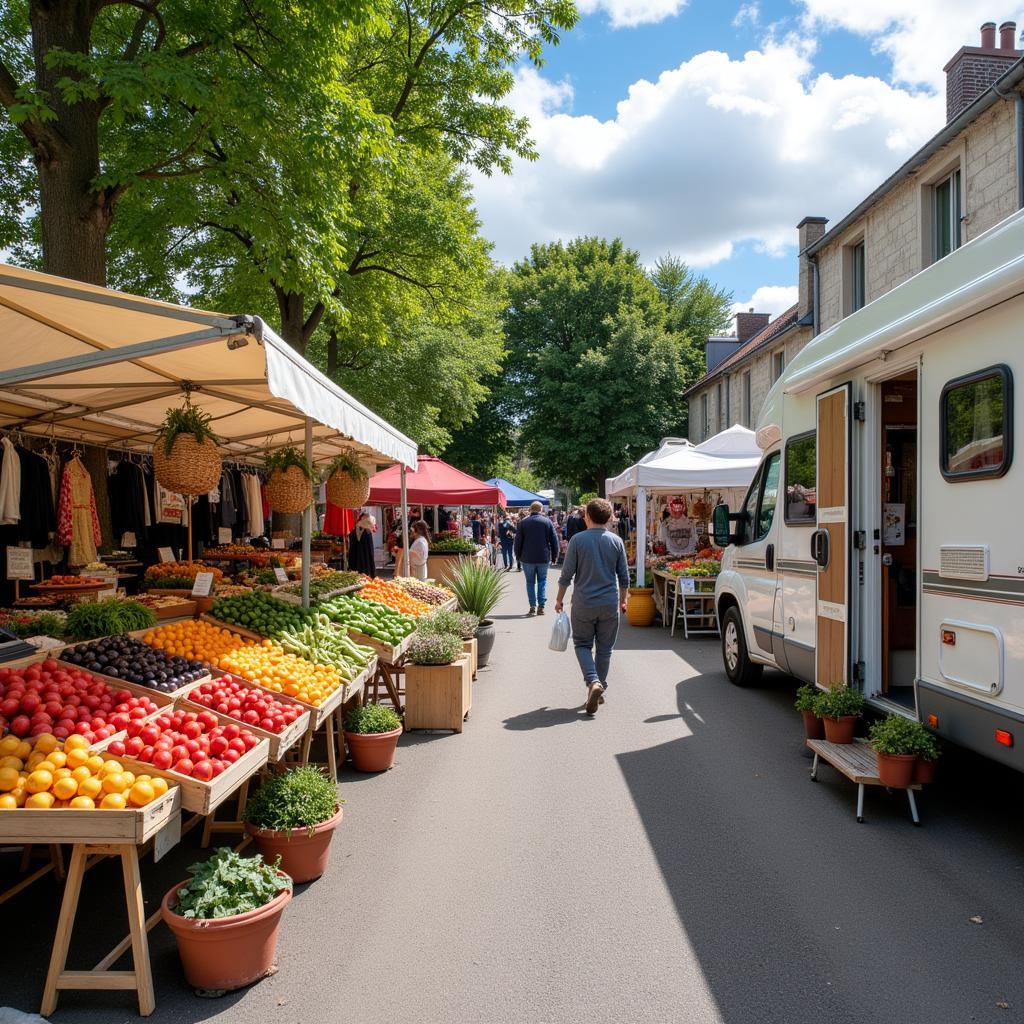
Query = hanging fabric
x=38 y=518
x=10 y=485
x=79 y=526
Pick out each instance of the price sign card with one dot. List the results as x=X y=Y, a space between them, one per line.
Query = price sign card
x=128 y=540
x=687 y=585
x=166 y=554
x=277 y=543
x=19 y=564
x=223 y=534
x=282 y=576
x=203 y=584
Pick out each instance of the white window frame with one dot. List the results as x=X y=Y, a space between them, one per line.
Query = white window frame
x=953 y=208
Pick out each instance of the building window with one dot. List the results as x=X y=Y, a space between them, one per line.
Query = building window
x=801 y=479
x=857 y=277
x=946 y=216
x=705 y=417
x=977 y=424
x=778 y=364
x=746 y=400
x=719 y=407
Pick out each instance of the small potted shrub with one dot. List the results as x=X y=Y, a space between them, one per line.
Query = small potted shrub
x=928 y=752
x=372 y=732
x=478 y=588
x=813 y=727
x=461 y=624
x=896 y=740
x=348 y=483
x=839 y=707
x=438 y=682
x=292 y=817
x=290 y=481
x=185 y=456
x=225 y=919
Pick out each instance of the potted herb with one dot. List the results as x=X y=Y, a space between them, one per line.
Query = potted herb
x=292 y=817
x=185 y=456
x=348 y=483
x=896 y=741
x=371 y=733
x=290 y=481
x=928 y=752
x=478 y=588
x=433 y=648
x=89 y=620
x=813 y=727
x=839 y=707
x=225 y=919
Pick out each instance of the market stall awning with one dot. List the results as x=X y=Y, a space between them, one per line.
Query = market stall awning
x=516 y=497
x=626 y=481
x=433 y=483
x=102 y=367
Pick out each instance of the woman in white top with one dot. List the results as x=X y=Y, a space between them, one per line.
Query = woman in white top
x=420 y=549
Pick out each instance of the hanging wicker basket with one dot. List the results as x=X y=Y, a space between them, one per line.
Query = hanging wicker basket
x=191 y=468
x=289 y=490
x=346 y=491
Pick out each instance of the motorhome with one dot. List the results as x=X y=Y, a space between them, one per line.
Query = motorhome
x=878 y=544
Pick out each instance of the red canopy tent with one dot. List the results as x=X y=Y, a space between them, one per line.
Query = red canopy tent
x=433 y=483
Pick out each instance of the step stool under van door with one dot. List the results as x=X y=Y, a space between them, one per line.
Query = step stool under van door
x=830 y=542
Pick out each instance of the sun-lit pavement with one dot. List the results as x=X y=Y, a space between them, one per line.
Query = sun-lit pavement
x=667 y=861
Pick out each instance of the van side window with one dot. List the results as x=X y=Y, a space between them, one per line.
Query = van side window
x=801 y=479
x=976 y=416
x=769 y=496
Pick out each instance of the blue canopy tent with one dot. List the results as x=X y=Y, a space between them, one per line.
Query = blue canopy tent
x=516 y=497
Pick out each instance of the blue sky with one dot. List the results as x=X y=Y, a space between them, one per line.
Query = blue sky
x=709 y=128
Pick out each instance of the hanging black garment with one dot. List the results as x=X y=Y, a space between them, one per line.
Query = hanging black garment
x=228 y=510
x=38 y=517
x=360 y=552
x=127 y=512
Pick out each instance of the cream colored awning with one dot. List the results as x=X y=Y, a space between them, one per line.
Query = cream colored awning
x=102 y=367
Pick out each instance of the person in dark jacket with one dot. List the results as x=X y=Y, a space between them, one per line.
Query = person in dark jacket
x=506 y=536
x=574 y=524
x=536 y=547
x=360 y=546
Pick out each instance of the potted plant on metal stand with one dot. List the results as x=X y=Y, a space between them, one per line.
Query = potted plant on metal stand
x=372 y=732
x=896 y=740
x=928 y=752
x=814 y=729
x=478 y=588
x=839 y=707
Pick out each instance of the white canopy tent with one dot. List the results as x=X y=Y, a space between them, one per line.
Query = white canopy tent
x=102 y=367
x=628 y=480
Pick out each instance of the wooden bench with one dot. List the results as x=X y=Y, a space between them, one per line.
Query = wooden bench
x=859 y=763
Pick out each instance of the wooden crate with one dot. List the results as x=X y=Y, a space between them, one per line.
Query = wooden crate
x=137 y=688
x=64 y=825
x=438 y=696
x=470 y=647
x=387 y=653
x=185 y=610
x=279 y=741
x=204 y=797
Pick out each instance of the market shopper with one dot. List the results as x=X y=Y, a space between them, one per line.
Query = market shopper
x=507 y=536
x=536 y=547
x=360 y=546
x=595 y=563
x=420 y=549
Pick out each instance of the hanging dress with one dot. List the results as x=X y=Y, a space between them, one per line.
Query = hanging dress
x=79 y=525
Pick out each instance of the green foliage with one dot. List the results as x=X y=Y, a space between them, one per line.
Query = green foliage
x=927 y=747
x=461 y=624
x=895 y=734
x=837 y=702
x=299 y=797
x=452 y=546
x=188 y=420
x=477 y=586
x=805 y=698
x=371 y=718
x=88 y=620
x=285 y=458
x=585 y=497
x=696 y=307
x=227 y=884
x=348 y=463
x=433 y=648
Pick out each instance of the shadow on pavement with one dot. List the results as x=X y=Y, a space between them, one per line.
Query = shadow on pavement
x=543 y=718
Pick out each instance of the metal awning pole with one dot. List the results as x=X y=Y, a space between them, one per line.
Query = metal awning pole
x=405 y=568
x=307 y=521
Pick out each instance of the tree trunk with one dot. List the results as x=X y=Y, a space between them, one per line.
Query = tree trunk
x=291 y=306
x=332 y=354
x=75 y=217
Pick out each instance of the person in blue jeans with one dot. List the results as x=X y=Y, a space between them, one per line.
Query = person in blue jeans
x=507 y=536
x=536 y=547
x=595 y=563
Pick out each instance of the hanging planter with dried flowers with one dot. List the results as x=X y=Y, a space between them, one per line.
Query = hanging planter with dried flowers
x=348 y=483
x=290 y=481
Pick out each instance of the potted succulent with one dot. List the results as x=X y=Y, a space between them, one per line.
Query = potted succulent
x=839 y=707
x=185 y=456
x=371 y=733
x=292 y=818
x=478 y=588
x=896 y=740
x=438 y=682
x=928 y=753
x=225 y=919
x=348 y=483
x=813 y=726
x=290 y=481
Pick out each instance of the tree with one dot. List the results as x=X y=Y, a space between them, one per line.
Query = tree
x=696 y=307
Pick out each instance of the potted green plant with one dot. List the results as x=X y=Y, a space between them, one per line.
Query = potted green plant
x=438 y=682
x=928 y=752
x=478 y=588
x=896 y=740
x=839 y=707
x=292 y=817
x=813 y=726
x=185 y=456
x=372 y=732
x=348 y=483
x=225 y=919
x=290 y=481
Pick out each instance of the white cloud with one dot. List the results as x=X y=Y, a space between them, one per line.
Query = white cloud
x=748 y=14
x=717 y=152
x=769 y=298
x=630 y=13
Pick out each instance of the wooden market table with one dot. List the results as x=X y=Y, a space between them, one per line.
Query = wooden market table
x=698 y=613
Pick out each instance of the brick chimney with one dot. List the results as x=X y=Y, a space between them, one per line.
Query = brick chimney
x=809 y=230
x=973 y=69
x=750 y=323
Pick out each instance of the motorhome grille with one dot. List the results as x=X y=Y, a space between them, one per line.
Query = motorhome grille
x=964 y=562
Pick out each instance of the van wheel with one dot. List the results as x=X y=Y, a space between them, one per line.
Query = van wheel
x=738 y=667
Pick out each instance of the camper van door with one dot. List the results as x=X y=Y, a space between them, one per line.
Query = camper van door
x=830 y=541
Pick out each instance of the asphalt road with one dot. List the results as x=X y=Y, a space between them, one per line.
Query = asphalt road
x=666 y=861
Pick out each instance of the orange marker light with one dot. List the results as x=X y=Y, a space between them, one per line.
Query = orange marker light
x=1004 y=737
x=933 y=721
x=949 y=637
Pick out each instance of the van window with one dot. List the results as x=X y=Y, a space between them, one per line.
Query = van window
x=769 y=496
x=750 y=506
x=801 y=479
x=976 y=422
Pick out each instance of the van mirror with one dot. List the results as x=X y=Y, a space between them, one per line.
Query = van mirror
x=720 y=525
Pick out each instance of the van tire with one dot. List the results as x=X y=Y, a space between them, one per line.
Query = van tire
x=738 y=666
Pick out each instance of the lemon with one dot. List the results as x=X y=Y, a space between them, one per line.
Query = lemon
x=57 y=758
x=82 y=803
x=115 y=782
x=40 y=801
x=39 y=781
x=77 y=758
x=46 y=742
x=90 y=787
x=159 y=786
x=108 y=768
x=141 y=794
x=75 y=742
x=113 y=802
x=8 y=779
x=7 y=802
x=8 y=745
x=65 y=789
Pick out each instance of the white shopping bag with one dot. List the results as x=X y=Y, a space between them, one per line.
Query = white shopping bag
x=560 y=631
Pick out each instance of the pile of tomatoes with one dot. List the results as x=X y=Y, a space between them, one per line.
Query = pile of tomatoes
x=245 y=704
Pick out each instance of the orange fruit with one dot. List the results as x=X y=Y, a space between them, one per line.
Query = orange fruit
x=77 y=757
x=39 y=781
x=40 y=801
x=45 y=742
x=159 y=786
x=8 y=745
x=12 y=762
x=90 y=787
x=82 y=803
x=46 y=765
x=8 y=779
x=113 y=802
x=80 y=773
x=8 y=802
x=129 y=779
x=62 y=773
x=75 y=742
x=95 y=763
x=109 y=768
x=114 y=782
x=65 y=789
x=141 y=794
x=24 y=750
x=57 y=758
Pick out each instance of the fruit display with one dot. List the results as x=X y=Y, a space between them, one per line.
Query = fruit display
x=257 y=578
x=393 y=597
x=196 y=640
x=184 y=573
x=428 y=592
x=23 y=622
x=45 y=775
x=370 y=618
x=319 y=642
x=48 y=698
x=324 y=583
x=64 y=582
x=91 y=619
x=190 y=743
x=125 y=657
x=245 y=704
x=261 y=613
x=230 y=589
x=155 y=602
x=269 y=666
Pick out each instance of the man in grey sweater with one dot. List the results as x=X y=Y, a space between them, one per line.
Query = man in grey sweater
x=595 y=563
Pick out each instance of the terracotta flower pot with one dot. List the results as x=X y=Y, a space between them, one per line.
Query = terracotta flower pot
x=924 y=771
x=839 y=730
x=303 y=854
x=484 y=642
x=896 y=770
x=226 y=953
x=640 y=607
x=372 y=751
x=814 y=729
